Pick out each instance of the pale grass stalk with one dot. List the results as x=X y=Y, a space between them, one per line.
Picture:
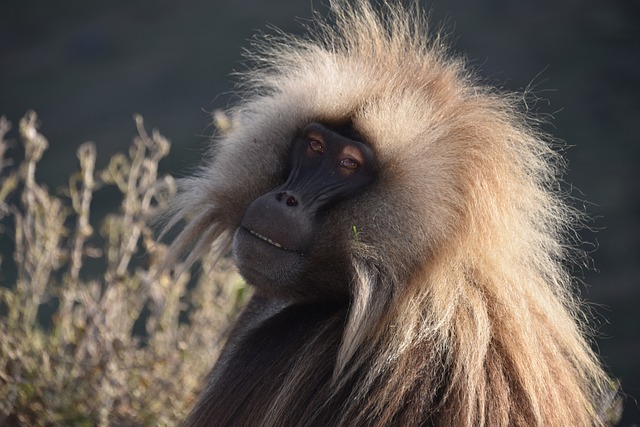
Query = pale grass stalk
x=90 y=368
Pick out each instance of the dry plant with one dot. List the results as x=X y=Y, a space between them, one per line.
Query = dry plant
x=84 y=365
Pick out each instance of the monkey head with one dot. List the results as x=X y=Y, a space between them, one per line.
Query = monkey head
x=275 y=243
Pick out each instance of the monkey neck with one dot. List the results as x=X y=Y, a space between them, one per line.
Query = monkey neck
x=278 y=367
x=277 y=345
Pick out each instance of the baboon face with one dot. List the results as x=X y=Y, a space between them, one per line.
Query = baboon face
x=278 y=243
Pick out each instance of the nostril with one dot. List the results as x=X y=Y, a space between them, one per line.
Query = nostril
x=289 y=200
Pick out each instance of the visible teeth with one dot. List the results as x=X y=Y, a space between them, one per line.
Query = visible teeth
x=266 y=239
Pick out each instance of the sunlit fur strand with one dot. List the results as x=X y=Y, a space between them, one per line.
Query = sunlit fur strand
x=461 y=306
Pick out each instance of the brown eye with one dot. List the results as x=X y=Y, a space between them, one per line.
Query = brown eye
x=316 y=146
x=349 y=164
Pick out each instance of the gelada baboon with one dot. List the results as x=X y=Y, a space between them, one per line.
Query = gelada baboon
x=401 y=226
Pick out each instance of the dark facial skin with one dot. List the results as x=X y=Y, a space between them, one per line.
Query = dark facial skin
x=275 y=245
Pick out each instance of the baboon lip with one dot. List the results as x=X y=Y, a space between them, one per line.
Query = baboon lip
x=265 y=238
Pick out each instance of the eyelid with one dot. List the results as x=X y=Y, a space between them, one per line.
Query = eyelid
x=353 y=153
x=316 y=145
x=349 y=163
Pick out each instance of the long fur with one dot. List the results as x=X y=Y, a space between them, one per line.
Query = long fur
x=461 y=308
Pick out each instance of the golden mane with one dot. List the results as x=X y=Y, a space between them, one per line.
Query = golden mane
x=461 y=302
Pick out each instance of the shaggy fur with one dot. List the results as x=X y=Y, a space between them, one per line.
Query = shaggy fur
x=460 y=308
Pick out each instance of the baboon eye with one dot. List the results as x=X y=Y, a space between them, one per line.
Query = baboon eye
x=316 y=146
x=349 y=164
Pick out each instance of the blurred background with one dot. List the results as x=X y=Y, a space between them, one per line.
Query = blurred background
x=87 y=67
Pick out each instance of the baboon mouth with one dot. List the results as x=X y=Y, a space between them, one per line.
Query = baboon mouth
x=252 y=237
x=266 y=239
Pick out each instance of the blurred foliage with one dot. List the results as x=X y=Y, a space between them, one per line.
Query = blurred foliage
x=86 y=365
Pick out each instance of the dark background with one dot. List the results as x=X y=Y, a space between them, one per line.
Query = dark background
x=87 y=67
